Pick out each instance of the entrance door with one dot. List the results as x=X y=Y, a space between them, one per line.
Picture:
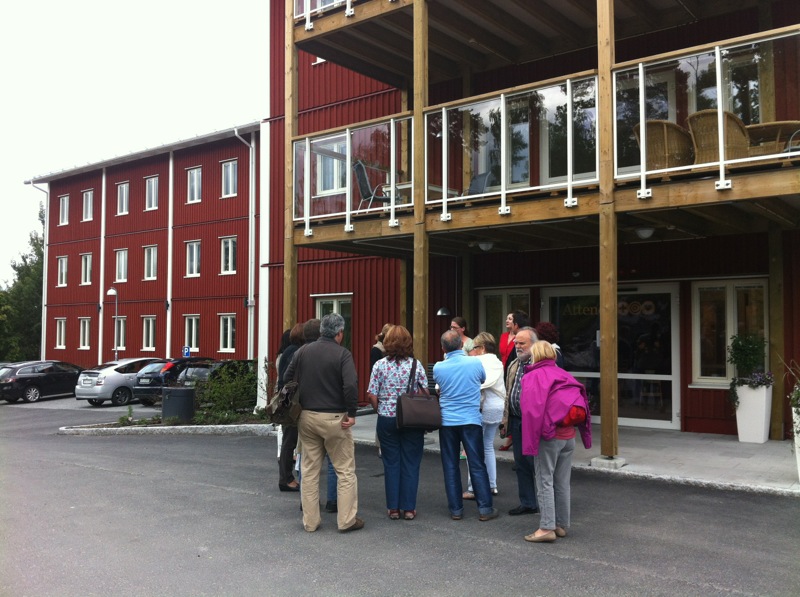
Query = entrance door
x=495 y=305
x=647 y=348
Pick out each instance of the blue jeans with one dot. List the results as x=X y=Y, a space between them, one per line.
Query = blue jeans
x=332 y=479
x=401 y=452
x=489 y=457
x=471 y=437
x=526 y=479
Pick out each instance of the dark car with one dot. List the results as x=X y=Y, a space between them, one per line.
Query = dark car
x=32 y=380
x=152 y=379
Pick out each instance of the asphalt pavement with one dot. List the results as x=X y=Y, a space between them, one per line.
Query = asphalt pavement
x=200 y=514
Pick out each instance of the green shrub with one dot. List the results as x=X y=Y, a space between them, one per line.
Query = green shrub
x=231 y=388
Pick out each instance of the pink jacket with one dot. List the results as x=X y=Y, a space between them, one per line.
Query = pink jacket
x=547 y=393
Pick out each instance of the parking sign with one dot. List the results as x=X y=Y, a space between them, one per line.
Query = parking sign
x=186 y=351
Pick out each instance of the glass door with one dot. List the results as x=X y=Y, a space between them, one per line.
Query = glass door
x=649 y=393
x=495 y=305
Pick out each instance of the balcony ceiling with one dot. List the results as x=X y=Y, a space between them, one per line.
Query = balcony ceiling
x=480 y=35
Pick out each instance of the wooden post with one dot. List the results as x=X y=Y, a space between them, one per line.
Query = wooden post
x=776 y=329
x=290 y=130
x=421 y=241
x=609 y=391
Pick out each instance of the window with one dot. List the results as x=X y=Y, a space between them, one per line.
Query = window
x=151 y=193
x=228 y=251
x=149 y=332
x=119 y=333
x=121 y=274
x=150 y=254
x=229 y=175
x=193 y=258
x=227 y=333
x=61 y=333
x=194 y=185
x=63 y=210
x=332 y=171
x=86 y=268
x=88 y=199
x=62 y=271
x=85 y=325
x=720 y=310
x=341 y=304
x=191 y=337
x=122 y=198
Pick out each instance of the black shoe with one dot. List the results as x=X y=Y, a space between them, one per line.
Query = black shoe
x=489 y=516
x=522 y=510
x=331 y=507
x=357 y=525
x=289 y=487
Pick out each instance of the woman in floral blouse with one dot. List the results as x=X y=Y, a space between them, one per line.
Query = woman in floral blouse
x=401 y=448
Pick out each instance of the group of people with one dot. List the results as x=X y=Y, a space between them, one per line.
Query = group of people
x=482 y=386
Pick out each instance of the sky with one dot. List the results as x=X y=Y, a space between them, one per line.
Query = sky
x=87 y=80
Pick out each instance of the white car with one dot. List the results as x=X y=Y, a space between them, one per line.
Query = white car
x=112 y=381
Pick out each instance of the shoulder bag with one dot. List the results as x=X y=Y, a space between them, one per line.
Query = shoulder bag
x=284 y=406
x=418 y=409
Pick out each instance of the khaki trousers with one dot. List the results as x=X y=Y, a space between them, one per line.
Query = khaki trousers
x=321 y=433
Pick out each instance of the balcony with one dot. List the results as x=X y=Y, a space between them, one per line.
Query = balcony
x=713 y=114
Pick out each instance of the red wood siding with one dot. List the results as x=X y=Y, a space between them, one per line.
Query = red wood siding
x=136 y=174
x=72 y=314
x=77 y=228
x=74 y=292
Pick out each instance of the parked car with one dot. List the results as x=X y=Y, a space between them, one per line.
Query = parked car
x=195 y=373
x=151 y=380
x=32 y=380
x=112 y=381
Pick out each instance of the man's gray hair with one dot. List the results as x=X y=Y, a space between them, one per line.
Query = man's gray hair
x=451 y=340
x=331 y=325
x=527 y=328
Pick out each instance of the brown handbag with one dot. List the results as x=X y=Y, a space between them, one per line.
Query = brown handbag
x=417 y=408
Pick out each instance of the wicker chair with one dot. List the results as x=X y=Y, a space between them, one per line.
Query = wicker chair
x=668 y=145
x=704 y=131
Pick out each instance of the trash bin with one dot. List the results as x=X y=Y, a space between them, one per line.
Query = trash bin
x=178 y=403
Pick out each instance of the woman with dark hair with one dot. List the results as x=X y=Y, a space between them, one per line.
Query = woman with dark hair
x=287 y=482
x=401 y=448
x=459 y=324
x=549 y=333
x=377 y=352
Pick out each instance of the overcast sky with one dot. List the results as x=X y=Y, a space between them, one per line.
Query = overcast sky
x=88 y=80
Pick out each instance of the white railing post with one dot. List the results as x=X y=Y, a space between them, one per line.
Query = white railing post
x=570 y=201
x=444 y=217
x=643 y=192
x=307 y=189
x=504 y=123
x=348 y=206
x=723 y=183
x=392 y=175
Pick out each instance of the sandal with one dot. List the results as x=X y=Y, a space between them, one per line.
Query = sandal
x=394 y=514
x=410 y=514
x=467 y=495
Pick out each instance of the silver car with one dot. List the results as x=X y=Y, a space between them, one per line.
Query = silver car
x=112 y=381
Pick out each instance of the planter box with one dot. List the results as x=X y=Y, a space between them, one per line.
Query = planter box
x=752 y=416
x=796 y=421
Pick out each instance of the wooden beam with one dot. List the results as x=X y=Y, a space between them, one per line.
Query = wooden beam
x=776 y=329
x=333 y=21
x=290 y=130
x=553 y=19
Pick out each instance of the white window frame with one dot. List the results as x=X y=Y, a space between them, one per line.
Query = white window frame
x=731 y=325
x=148 y=332
x=191 y=332
x=120 y=332
x=228 y=247
x=227 y=332
x=335 y=301
x=230 y=178
x=193 y=255
x=121 y=265
x=331 y=171
x=151 y=262
x=151 y=193
x=123 y=198
x=61 y=333
x=88 y=205
x=63 y=210
x=62 y=265
x=86 y=269
x=85 y=334
x=194 y=184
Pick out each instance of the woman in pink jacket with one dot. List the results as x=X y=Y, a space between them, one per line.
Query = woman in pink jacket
x=553 y=404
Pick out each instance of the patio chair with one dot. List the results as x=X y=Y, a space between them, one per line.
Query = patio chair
x=704 y=131
x=668 y=145
x=368 y=194
x=477 y=186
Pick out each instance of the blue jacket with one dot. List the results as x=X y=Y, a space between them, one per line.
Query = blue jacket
x=459 y=378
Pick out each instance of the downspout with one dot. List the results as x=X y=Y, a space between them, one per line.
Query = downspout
x=102 y=280
x=44 y=266
x=170 y=251
x=251 y=249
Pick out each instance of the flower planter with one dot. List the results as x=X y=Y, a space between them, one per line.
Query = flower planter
x=796 y=421
x=753 y=413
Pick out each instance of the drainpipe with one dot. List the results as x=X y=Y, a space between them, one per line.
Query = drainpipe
x=251 y=249
x=44 y=266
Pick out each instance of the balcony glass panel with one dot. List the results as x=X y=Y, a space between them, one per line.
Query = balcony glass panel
x=748 y=88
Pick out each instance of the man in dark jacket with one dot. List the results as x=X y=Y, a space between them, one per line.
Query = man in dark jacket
x=328 y=387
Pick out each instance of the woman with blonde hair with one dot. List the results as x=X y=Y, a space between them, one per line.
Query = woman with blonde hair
x=553 y=404
x=401 y=449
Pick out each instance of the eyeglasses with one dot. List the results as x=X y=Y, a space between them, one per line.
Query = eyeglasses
x=455 y=328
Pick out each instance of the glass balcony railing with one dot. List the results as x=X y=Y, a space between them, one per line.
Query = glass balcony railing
x=725 y=105
x=356 y=170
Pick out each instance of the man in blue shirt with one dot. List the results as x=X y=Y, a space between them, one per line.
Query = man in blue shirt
x=459 y=378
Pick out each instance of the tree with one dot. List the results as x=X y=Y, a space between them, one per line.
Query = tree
x=21 y=303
